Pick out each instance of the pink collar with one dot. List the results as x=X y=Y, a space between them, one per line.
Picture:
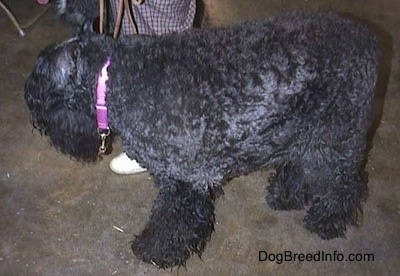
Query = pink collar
x=101 y=91
x=101 y=107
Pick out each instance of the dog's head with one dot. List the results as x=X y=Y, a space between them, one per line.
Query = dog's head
x=60 y=95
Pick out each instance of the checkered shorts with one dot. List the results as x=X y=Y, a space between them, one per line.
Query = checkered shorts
x=156 y=17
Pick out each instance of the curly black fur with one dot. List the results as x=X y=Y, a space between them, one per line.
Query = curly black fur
x=292 y=93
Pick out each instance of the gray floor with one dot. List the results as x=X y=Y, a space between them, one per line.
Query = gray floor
x=59 y=217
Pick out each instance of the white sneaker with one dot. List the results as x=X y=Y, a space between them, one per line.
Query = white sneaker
x=122 y=164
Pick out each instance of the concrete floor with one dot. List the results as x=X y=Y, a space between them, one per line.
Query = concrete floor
x=59 y=217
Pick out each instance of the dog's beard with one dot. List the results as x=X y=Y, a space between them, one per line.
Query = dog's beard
x=59 y=110
x=73 y=133
x=70 y=129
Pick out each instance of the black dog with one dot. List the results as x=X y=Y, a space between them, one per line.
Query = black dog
x=292 y=93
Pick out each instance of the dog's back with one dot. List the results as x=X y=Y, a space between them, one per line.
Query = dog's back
x=252 y=88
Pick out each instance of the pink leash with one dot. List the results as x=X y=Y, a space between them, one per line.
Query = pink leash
x=101 y=107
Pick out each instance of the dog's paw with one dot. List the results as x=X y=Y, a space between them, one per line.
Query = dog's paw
x=161 y=248
x=327 y=229
x=168 y=243
x=331 y=213
x=181 y=223
x=325 y=222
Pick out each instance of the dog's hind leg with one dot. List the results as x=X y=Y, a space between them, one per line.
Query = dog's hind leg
x=180 y=224
x=287 y=189
x=339 y=185
x=340 y=206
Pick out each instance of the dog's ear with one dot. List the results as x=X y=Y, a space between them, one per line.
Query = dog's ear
x=65 y=62
x=54 y=67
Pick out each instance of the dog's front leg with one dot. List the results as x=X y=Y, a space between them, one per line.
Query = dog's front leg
x=181 y=223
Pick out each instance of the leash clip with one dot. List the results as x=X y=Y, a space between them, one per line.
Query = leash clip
x=104 y=133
